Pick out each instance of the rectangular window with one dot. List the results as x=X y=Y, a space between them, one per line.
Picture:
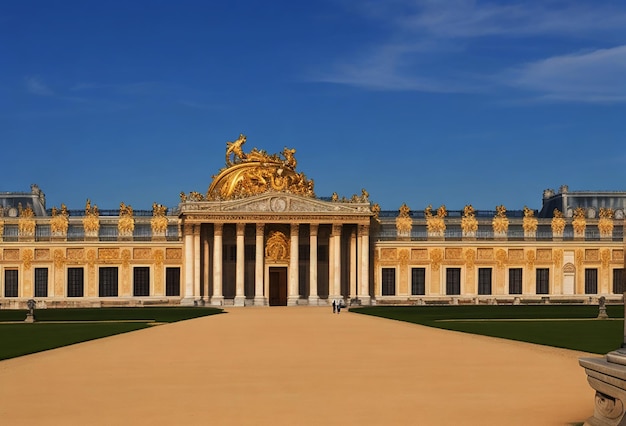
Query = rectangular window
x=107 y=285
x=515 y=281
x=172 y=281
x=453 y=281
x=418 y=281
x=542 y=281
x=75 y=282
x=389 y=282
x=591 y=281
x=619 y=286
x=10 y=283
x=141 y=281
x=484 y=280
x=41 y=282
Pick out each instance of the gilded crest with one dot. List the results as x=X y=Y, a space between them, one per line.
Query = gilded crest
x=277 y=246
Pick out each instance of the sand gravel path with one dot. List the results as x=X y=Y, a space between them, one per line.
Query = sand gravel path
x=295 y=366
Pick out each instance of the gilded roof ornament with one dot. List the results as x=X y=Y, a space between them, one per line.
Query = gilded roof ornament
x=26 y=224
x=605 y=224
x=158 y=222
x=468 y=221
x=404 y=223
x=59 y=222
x=376 y=210
x=25 y=213
x=500 y=222
x=435 y=224
x=579 y=222
x=126 y=222
x=256 y=172
x=530 y=222
x=91 y=221
x=558 y=222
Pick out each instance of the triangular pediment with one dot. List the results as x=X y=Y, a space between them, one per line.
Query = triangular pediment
x=276 y=203
x=283 y=203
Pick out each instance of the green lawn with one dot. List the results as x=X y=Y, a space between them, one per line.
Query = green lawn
x=563 y=326
x=80 y=325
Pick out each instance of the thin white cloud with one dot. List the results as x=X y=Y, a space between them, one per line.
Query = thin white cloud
x=597 y=76
x=399 y=67
x=35 y=86
x=468 y=18
x=426 y=45
x=137 y=88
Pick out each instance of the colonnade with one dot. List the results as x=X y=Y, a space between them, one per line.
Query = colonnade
x=198 y=272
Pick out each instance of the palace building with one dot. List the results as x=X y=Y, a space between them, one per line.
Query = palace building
x=261 y=236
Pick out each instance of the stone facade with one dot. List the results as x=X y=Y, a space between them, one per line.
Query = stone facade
x=260 y=236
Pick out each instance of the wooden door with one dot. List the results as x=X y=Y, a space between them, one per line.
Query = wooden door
x=278 y=286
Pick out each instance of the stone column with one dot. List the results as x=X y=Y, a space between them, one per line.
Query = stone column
x=313 y=296
x=331 y=272
x=364 y=271
x=218 y=297
x=189 y=258
x=240 y=296
x=259 y=283
x=353 y=291
x=196 y=263
x=293 y=287
x=205 y=261
x=335 y=262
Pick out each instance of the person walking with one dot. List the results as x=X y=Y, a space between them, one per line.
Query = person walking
x=334 y=306
x=339 y=306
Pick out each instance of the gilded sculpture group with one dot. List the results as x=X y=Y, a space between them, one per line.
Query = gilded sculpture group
x=254 y=173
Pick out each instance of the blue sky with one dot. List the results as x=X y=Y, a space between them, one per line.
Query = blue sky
x=418 y=101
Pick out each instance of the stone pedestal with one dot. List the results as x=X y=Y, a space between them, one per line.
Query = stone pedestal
x=30 y=318
x=607 y=376
x=158 y=236
x=314 y=300
x=469 y=235
x=217 y=300
x=602 y=313
x=530 y=235
x=365 y=300
x=240 y=301
x=260 y=301
x=188 y=301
